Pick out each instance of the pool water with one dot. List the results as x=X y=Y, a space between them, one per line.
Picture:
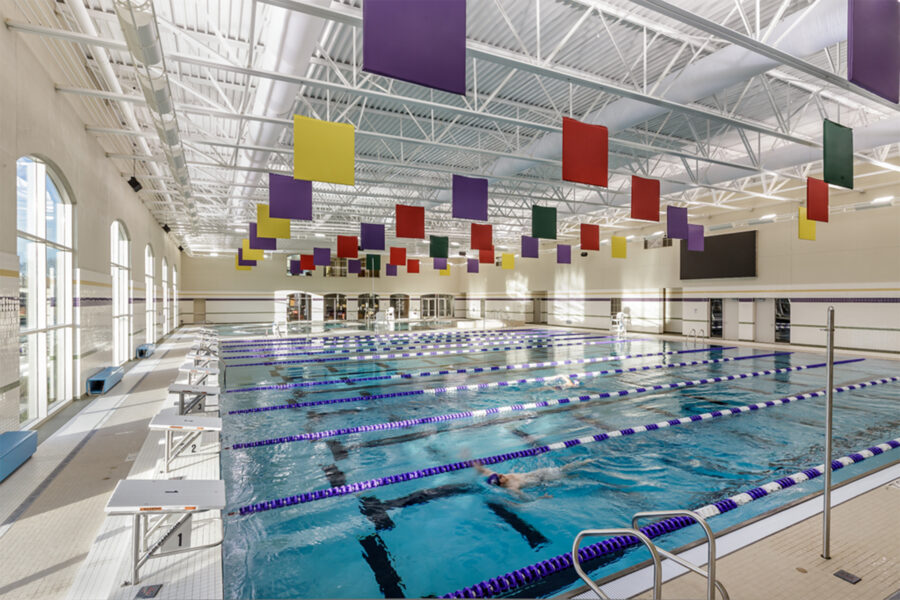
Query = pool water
x=435 y=535
x=301 y=327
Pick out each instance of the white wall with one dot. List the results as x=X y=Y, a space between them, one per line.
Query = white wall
x=36 y=120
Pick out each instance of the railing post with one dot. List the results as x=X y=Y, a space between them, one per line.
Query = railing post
x=829 y=398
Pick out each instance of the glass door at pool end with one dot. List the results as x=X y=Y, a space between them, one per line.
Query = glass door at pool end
x=299 y=307
x=335 y=307
x=715 y=317
x=400 y=304
x=783 y=320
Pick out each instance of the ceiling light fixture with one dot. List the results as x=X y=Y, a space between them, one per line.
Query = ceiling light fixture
x=768 y=217
x=882 y=200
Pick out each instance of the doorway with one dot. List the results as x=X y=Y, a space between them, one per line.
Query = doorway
x=783 y=320
x=715 y=317
x=299 y=307
x=199 y=310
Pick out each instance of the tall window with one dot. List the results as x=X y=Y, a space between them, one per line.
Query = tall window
x=165 y=296
x=46 y=322
x=335 y=307
x=150 y=294
x=400 y=304
x=367 y=306
x=174 y=297
x=437 y=305
x=120 y=267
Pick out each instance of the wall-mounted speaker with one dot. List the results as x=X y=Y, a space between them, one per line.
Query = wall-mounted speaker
x=584 y=254
x=135 y=184
x=166 y=227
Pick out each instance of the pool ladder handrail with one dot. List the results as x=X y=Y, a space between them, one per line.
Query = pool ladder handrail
x=655 y=552
x=612 y=531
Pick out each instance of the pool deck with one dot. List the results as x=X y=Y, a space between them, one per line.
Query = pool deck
x=56 y=541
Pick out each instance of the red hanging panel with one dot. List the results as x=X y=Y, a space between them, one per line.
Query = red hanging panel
x=482 y=237
x=307 y=262
x=644 y=199
x=410 y=221
x=816 y=200
x=486 y=256
x=347 y=246
x=590 y=237
x=398 y=257
x=412 y=265
x=585 y=156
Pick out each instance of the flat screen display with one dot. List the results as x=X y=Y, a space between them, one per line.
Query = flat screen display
x=728 y=255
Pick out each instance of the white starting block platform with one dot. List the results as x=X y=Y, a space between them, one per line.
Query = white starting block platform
x=192 y=367
x=197 y=392
x=192 y=426
x=143 y=499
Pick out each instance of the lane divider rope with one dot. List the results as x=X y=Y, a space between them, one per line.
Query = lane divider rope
x=465 y=344
x=373 y=336
x=332 y=343
x=474 y=414
x=499 y=384
x=513 y=580
x=433 y=353
x=514 y=367
x=352 y=488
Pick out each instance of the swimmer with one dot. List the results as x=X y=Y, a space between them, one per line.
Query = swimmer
x=516 y=481
x=561 y=384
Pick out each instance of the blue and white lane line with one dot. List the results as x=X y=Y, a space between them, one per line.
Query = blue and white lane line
x=514 y=367
x=469 y=350
x=337 y=351
x=546 y=403
x=475 y=414
x=389 y=336
x=352 y=488
x=340 y=344
x=508 y=582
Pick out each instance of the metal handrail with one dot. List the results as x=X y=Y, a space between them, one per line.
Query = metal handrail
x=710 y=572
x=654 y=554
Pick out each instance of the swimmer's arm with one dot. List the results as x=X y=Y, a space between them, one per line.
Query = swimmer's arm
x=481 y=468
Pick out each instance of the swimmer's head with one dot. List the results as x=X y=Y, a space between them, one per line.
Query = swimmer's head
x=493 y=479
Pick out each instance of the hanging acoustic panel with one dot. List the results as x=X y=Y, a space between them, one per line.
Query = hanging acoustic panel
x=237 y=263
x=260 y=243
x=873 y=47
x=410 y=221
x=472 y=265
x=837 y=154
x=245 y=261
x=347 y=246
x=373 y=262
x=445 y=272
x=324 y=151
x=482 y=237
x=530 y=247
x=438 y=247
x=644 y=198
x=391 y=270
x=412 y=265
x=806 y=229
x=271 y=227
x=816 y=200
x=397 y=256
x=307 y=262
x=543 y=222
x=696 y=240
x=470 y=198
x=676 y=222
x=290 y=198
x=508 y=261
x=354 y=266
x=415 y=41
x=248 y=253
x=295 y=267
x=322 y=257
x=585 y=155
x=619 y=247
x=563 y=254
x=371 y=236
x=439 y=264
x=590 y=236
x=486 y=257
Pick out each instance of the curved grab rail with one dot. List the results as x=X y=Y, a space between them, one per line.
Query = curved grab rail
x=654 y=554
x=710 y=572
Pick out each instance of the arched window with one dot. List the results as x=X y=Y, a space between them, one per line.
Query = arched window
x=165 y=296
x=335 y=307
x=120 y=268
x=400 y=304
x=46 y=322
x=150 y=297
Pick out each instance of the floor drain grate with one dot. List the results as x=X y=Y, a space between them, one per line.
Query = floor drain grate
x=842 y=574
x=149 y=591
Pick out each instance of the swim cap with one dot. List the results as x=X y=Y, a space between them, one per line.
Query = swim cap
x=493 y=479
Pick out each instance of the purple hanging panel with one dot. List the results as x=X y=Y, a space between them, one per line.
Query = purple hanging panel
x=530 y=247
x=695 y=241
x=470 y=198
x=873 y=46
x=290 y=198
x=371 y=236
x=676 y=222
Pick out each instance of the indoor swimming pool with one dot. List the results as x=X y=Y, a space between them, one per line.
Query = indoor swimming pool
x=305 y=415
x=300 y=327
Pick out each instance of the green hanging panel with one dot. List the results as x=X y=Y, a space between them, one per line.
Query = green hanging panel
x=543 y=222
x=837 y=154
x=439 y=247
x=373 y=262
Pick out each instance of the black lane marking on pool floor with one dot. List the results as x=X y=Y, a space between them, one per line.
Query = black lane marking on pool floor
x=338 y=450
x=379 y=560
x=336 y=477
x=534 y=537
x=377 y=510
